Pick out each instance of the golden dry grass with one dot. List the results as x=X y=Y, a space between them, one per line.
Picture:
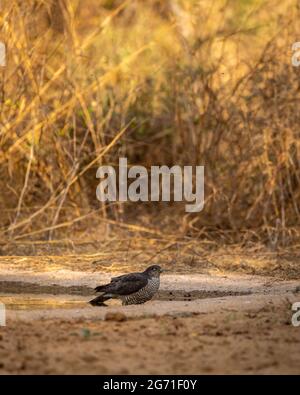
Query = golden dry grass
x=161 y=82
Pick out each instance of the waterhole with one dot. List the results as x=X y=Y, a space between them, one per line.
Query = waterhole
x=30 y=296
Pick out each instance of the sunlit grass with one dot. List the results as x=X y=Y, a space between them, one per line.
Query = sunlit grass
x=160 y=82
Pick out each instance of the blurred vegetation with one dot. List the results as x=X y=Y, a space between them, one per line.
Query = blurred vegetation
x=161 y=82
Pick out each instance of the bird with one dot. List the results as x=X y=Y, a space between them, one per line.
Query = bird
x=132 y=288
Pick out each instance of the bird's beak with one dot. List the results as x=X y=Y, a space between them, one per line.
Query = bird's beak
x=161 y=270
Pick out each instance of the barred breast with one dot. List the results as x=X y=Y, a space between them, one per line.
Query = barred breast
x=144 y=294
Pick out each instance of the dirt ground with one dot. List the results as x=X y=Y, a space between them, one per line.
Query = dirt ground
x=255 y=341
x=206 y=318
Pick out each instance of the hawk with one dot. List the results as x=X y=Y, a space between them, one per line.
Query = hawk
x=133 y=288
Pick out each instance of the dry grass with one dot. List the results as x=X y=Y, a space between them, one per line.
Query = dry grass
x=161 y=82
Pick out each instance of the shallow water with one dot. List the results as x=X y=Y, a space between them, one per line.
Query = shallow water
x=35 y=301
x=40 y=302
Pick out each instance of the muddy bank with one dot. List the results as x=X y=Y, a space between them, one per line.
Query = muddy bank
x=74 y=282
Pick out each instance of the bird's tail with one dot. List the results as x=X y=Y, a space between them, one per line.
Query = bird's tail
x=101 y=288
x=99 y=300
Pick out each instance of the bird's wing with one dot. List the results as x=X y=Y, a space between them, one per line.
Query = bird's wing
x=124 y=276
x=127 y=284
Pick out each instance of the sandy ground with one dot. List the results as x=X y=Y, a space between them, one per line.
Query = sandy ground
x=225 y=338
x=198 y=323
